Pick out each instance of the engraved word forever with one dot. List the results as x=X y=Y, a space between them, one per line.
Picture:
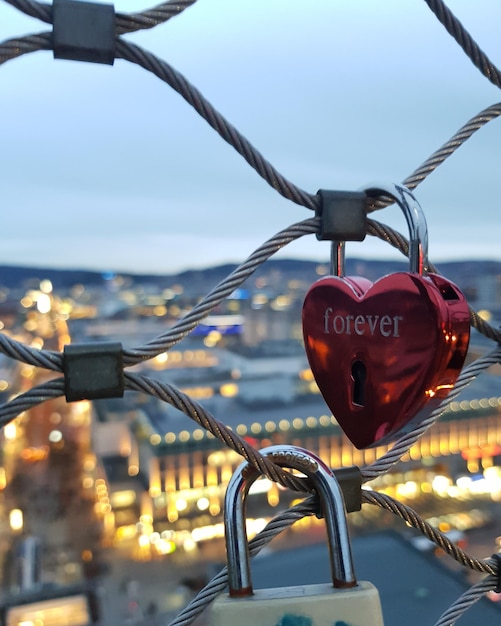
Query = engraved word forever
x=384 y=325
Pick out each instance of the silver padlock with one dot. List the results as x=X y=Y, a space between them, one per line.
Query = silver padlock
x=343 y=601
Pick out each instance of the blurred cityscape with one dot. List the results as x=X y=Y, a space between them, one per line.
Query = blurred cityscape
x=112 y=509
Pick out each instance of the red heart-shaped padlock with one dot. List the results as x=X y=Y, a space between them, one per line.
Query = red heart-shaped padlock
x=379 y=355
x=385 y=354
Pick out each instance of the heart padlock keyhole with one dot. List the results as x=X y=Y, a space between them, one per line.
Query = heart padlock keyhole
x=359 y=377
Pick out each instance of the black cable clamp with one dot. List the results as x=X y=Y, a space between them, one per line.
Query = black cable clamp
x=497 y=557
x=343 y=215
x=93 y=371
x=83 y=31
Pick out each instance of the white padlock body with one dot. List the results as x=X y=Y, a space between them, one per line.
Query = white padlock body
x=308 y=605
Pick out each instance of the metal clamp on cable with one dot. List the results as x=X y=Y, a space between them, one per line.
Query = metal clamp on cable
x=343 y=215
x=350 y=481
x=93 y=371
x=84 y=31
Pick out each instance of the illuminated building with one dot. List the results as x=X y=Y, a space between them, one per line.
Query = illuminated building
x=184 y=473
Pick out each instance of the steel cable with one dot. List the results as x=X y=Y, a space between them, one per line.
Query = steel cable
x=131 y=22
x=32 y=356
x=161 y=69
x=27 y=400
x=463 y=134
x=125 y=22
x=14 y=48
x=152 y=17
x=416 y=521
x=39 y=10
x=466 y=601
x=472 y=50
x=477 y=122
x=195 y=411
x=219 y=292
x=484 y=327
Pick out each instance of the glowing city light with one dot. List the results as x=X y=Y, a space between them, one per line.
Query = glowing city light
x=16 y=520
x=44 y=304
x=55 y=436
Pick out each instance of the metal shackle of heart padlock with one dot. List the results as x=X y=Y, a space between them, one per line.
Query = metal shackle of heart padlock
x=343 y=601
x=385 y=354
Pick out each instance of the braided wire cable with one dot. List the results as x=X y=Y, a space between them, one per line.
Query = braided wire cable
x=131 y=22
x=389 y=235
x=32 y=356
x=466 y=601
x=202 y=600
x=410 y=516
x=39 y=10
x=477 y=122
x=36 y=395
x=463 y=134
x=125 y=22
x=472 y=50
x=404 y=443
x=135 y=54
x=14 y=48
x=219 y=582
x=222 y=290
x=195 y=411
x=484 y=327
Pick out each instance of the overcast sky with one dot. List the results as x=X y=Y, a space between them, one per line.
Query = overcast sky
x=108 y=168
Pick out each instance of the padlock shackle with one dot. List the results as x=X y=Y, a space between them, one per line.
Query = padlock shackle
x=333 y=509
x=337 y=258
x=416 y=222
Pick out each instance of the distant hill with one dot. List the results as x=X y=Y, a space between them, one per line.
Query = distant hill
x=14 y=276
x=464 y=273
